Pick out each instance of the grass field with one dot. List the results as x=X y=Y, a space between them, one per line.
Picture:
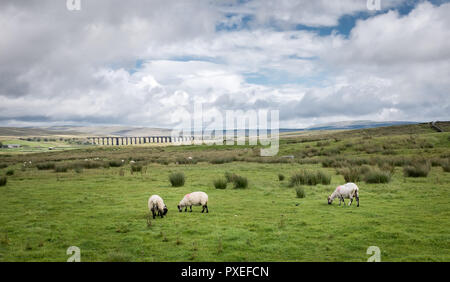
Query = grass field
x=103 y=210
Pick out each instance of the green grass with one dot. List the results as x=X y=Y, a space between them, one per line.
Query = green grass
x=177 y=179
x=220 y=183
x=103 y=210
x=104 y=214
x=300 y=192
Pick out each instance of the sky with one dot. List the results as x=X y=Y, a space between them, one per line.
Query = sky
x=146 y=63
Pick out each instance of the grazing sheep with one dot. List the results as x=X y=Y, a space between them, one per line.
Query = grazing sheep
x=156 y=203
x=348 y=190
x=194 y=199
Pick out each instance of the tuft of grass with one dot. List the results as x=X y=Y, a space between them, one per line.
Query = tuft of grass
x=61 y=168
x=10 y=172
x=118 y=257
x=240 y=182
x=136 y=168
x=446 y=166
x=3 y=180
x=417 y=170
x=377 y=176
x=222 y=160
x=115 y=163
x=306 y=177
x=280 y=177
x=220 y=183
x=5 y=240
x=45 y=166
x=219 y=246
x=182 y=160
x=177 y=179
x=230 y=176
x=300 y=192
x=351 y=174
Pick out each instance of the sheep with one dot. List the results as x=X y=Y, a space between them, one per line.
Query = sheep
x=348 y=190
x=194 y=199
x=156 y=203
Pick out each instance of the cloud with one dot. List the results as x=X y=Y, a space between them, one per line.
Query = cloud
x=146 y=63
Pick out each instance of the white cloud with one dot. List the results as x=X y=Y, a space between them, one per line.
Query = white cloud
x=83 y=69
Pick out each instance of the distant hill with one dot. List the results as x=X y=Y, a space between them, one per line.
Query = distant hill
x=84 y=131
x=360 y=124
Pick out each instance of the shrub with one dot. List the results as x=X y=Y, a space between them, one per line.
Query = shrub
x=115 y=163
x=3 y=180
x=177 y=179
x=300 y=192
x=351 y=174
x=377 y=176
x=230 y=176
x=305 y=177
x=10 y=172
x=182 y=160
x=240 y=182
x=3 y=166
x=93 y=164
x=136 y=168
x=280 y=177
x=387 y=167
x=44 y=166
x=162 y=161
x=364 y=169
x=417 y=170
x=323 y=178
x=322 y=143
x=61 y=168
x=446 y=166
x=222 y=160
x=220 y=183
x=335 y=162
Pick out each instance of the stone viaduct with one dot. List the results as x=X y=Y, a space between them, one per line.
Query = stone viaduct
x=119 y=141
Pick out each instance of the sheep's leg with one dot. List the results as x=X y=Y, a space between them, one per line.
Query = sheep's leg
x=153 y=213
x=185 y=210
x=340 y=201
x=203 y=209
x=206 y=206
x=357 y=201
x=191 y=209
x=343 y=201
x=161 y=214
x=351 y=201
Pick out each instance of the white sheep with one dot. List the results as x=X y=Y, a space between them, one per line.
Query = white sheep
x=156 y=204
x=194 y=199
x=349 y=191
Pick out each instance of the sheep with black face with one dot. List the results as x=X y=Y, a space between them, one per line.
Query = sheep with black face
x=194 y=199
x=156 y=205
x=349 y=191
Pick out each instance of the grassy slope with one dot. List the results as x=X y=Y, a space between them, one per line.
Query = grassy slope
x=35 y=146
x=103 y=213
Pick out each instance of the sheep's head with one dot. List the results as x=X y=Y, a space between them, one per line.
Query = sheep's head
x=329 y=200
x=179 y=208
x=165 y=210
